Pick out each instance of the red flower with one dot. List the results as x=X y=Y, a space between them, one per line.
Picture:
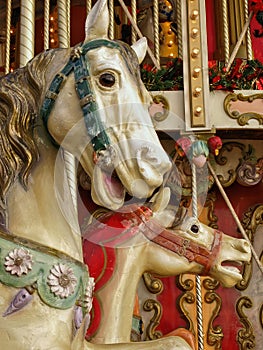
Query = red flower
x=212 y=64
x=216 y=79
x=256 y=6
x=169 y=64
x=147 y=67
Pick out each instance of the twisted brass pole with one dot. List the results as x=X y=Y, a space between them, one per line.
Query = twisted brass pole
x=8 y=29
x=46 y=24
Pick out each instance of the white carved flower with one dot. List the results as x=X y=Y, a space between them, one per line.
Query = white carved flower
x=18 y=261
x=62 y=280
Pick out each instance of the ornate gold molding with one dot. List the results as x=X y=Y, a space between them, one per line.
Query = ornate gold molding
x=151 y=332
x=210 y=204
x=245 y=337
x=165 y=107
x=248 y=171
x=242 y=118
x=251 y=219
x=153 y=284
x=188 y=297
x=214 y=334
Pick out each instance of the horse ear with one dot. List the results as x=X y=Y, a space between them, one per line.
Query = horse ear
x=97 y=22
x=140 y=48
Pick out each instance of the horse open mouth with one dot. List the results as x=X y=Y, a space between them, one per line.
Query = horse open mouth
x=232 y=267
x=107 y=189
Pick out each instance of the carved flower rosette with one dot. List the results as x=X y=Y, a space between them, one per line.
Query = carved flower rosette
x=19 y=261
x=62 y=280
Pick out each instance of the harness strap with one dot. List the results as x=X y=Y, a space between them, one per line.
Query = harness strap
x=53 y=91
x=184 y=247
x=79 y=64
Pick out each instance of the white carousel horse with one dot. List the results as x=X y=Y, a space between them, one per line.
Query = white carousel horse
x=42 y=275
x=43 y=279
x=136 y=243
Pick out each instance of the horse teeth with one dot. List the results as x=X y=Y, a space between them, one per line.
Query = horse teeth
x=232 y=269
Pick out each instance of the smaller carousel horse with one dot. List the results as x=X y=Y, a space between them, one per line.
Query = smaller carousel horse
x=119 y=247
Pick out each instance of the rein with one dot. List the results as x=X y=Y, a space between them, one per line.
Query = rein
x=113 y=229
x=79 y=64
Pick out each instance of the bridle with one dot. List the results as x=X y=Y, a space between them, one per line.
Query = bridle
x=79 y=64
x=184 y=247
x=114 y=230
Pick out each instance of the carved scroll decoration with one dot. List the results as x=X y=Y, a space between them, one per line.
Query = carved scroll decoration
x=252 y=218
x=187 y=297
x=214 y=333
x=151 y=332
x=164 y=104
x=155 y=286
x=210 y=204
x=245 y=336
x=242 y=118
x=249 y=170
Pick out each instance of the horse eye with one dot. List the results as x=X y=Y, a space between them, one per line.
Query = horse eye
x=107 y=79
x=194 y=228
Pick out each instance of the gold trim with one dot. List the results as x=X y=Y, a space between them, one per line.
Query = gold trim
x=187 y=286
x=243 y=118
x=222 y=160
x=153 y=284
x=150 y=305
x=195 y=55
x=159 y=117
x=245 y=336
x=210 y=204
x=251 y=219
x=214 y=334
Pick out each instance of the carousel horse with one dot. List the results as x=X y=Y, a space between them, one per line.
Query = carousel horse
x=90 y=102
x=131 y=242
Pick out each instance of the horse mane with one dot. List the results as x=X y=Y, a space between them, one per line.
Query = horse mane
x=20 y=93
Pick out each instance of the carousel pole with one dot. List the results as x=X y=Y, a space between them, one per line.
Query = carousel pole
x=156 y=31
x=46 y=24
x=27 y=31
x=8 y=29
x=63 y=25
x=88 y=6
x=198 y=287
x=64 y=42
x=134 y=16
x=239 y=42
x=111 y=13
x=139 y=33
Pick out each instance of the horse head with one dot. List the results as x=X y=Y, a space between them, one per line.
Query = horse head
x=132 y=241
x=221 y=255
x=189 y=247
x=115 y=142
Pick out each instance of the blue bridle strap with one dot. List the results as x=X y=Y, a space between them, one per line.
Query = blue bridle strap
x=79 y=64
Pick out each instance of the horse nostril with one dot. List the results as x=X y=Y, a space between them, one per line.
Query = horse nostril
x=194 y=228
x=245 y=246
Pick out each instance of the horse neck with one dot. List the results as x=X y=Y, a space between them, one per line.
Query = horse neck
x=36 y=213
x=118 y=295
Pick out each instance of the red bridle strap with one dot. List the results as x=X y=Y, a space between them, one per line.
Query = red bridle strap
x=184 y=247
